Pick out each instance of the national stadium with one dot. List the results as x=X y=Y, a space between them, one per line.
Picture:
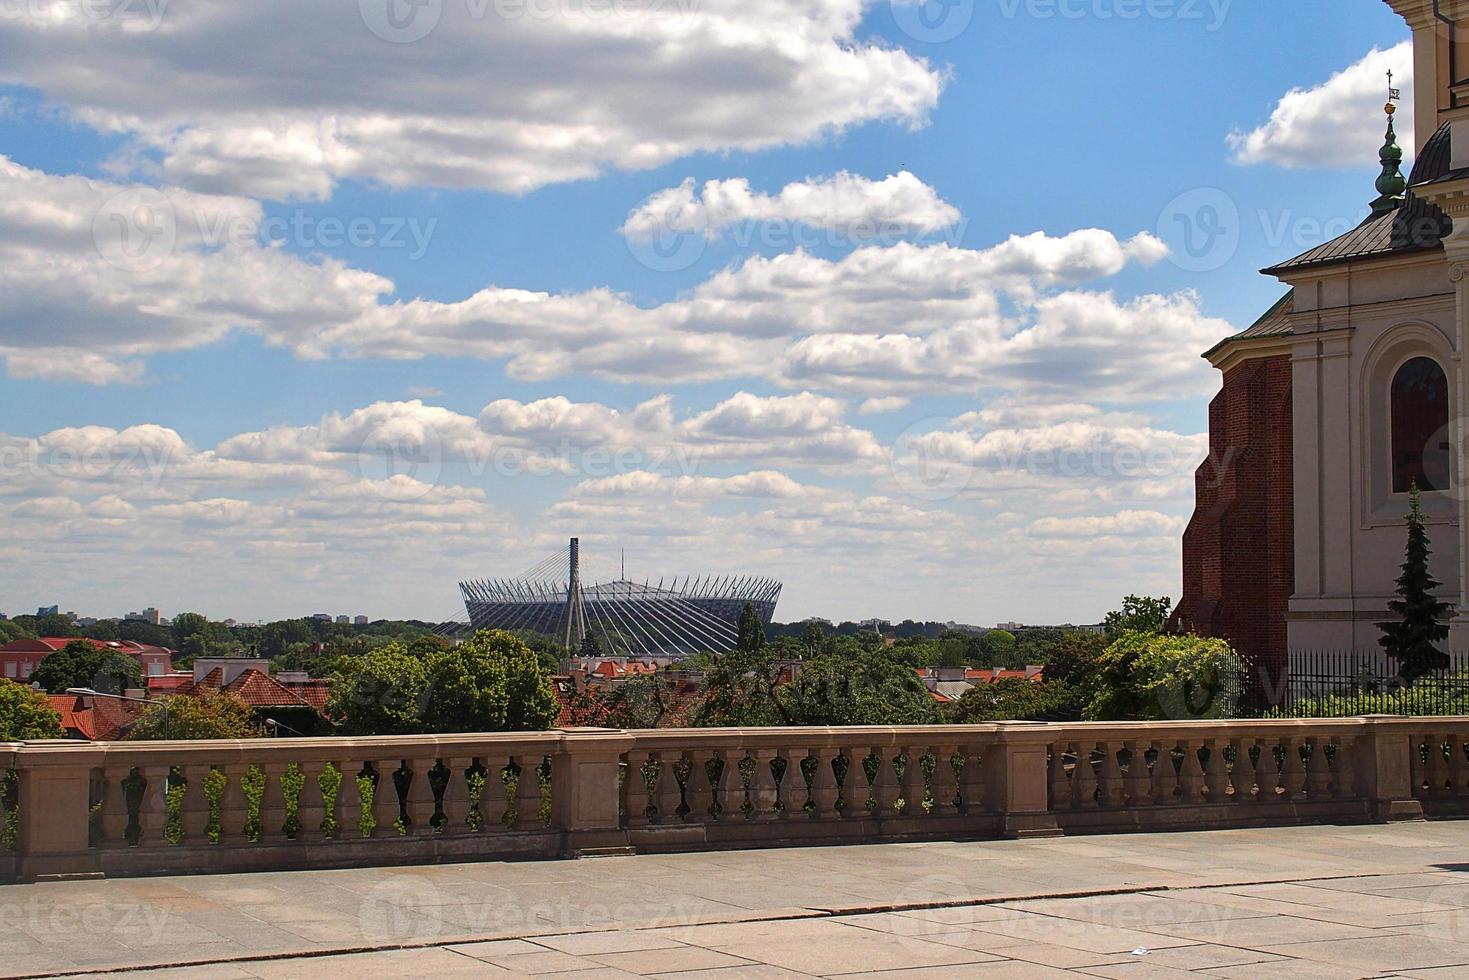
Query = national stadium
x=672 y=618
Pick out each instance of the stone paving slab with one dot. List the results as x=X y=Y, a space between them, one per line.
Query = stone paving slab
x=1302 y=903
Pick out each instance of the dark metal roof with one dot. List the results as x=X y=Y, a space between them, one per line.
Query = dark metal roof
x=1275 y=322
x=1415 y=226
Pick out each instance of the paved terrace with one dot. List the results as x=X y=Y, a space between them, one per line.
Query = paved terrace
x=1297 y=902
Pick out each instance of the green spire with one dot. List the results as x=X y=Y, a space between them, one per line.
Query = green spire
x=1390 y=184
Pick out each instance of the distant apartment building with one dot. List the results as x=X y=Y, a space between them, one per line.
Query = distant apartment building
x=322 y=617
x=20 y=658
x=360 y=621
x=149 y=615
x=345 y=621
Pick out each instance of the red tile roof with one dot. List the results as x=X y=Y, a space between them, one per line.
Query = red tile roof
x=259 y=690
x=95 y=719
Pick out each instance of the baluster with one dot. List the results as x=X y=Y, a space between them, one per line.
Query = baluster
x=1242 y=773
x=1084 y=784
x=1456 y=764
x=420 y=802
x=385 y=806
x=1111 y=778
x=944 y=785
x=912 y=786
x=153 y=813
x=731 y=785
x=971 y=782
x=1191 y=774
x=350 y=803
x=528 y=793
x=1166 y=786
x=669 y=796
x=1436 y=770
x=635 y=787
x=232 y=807
x=700 y=794
x=824 y=788
x=1292 y=772
x=885 y=786
x=1139 y=783
x=493 y=802
x=1318 y=772
x=763 y=791
x=196 y=805
x=1264 y=768
x=1344 y=783
x=114 y=816
x=1060 y=785
x=1216 y=773
x=272 y=804
x=1416 y=752
x=456 y=796
x=309 y=805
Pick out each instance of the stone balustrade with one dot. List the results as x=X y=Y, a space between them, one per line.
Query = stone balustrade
x=135 y=808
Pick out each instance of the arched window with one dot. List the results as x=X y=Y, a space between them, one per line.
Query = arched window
x=1420 y=420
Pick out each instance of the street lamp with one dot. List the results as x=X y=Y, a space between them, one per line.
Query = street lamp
x=88 y=692
x=276 y=727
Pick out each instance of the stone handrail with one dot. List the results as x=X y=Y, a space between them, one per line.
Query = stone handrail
x=129 y=808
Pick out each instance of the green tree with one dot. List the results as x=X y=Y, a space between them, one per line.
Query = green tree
x=998 y=646
x=590 y=648
x=872 y=689
x=380 y=692
x=1148 y=676
x=1412 y=640
x=1139 y=614
x=80 y=664
x=751 y=636
x=813 y=638
x=11 y=630
x=639 y=702
x=186 y=625
x=1015 y=699
x=1074 y=658
x=55 y=626
x=207 y=714
x=490 y=682
x=25 y=714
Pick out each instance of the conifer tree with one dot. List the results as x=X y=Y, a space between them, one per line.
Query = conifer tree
x=1412 y=640
x=751 y=631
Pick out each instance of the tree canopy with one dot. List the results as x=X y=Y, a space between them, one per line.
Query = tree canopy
x=25 y=714
x=206 y=714
x=490 y=682
x=80 y=664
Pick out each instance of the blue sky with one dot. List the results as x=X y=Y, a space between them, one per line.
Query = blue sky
x=200 y=431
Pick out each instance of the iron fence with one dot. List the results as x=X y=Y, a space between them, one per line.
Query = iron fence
x=1348 y=683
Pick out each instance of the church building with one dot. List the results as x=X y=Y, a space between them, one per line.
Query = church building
x=1344 y=394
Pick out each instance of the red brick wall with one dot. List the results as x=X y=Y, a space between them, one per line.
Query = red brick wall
x=1238 y=550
